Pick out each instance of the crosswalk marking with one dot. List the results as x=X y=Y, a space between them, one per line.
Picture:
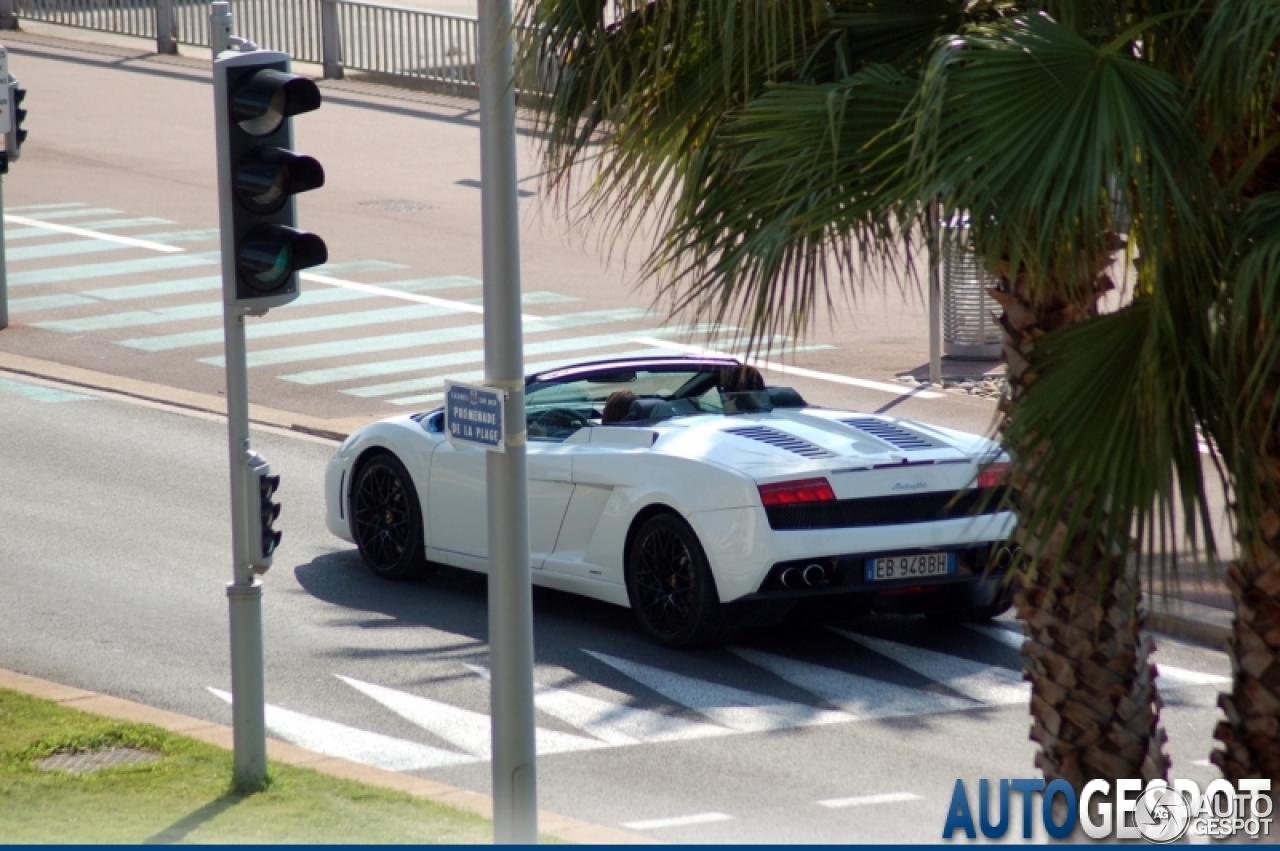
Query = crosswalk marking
x=610 y=722
x=77 y=213
x=93 y=234
x=28 y=208
x=40 y=393
x=89 y=271
x=61 y=249
x=413 y=339
x=861 y=697
x=339 y=740
x=984 y=683
x=351 y=372
x=1169 y=676
x=48 y=302
x=737 y=709
x=470 y=731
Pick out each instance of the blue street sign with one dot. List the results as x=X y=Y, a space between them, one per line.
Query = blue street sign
x=473 y=415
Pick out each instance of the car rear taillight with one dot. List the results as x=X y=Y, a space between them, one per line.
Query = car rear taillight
x=794 y=493
x=994 y=475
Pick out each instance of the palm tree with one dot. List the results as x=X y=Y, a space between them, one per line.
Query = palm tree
x=783 y=144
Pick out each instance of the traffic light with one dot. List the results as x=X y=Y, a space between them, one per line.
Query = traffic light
x=263 y=538
x=258 y=175
x=17 y=135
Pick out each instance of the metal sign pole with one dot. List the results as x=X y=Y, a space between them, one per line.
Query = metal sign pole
x=515 y=804
x=4 y=268
x=6 y=123
x=244 y=594
x=933 y=233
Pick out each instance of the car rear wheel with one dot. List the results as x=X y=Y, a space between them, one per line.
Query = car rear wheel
x=387 y=519
x=671 y=587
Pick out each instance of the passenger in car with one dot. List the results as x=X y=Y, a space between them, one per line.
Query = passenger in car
x=617 y=406
x=741 y=379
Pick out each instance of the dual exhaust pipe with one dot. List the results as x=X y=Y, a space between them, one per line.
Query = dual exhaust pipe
x=810 y=576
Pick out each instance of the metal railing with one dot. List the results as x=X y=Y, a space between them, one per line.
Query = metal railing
x=434 y=48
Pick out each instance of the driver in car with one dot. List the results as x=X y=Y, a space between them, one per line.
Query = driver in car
x=616 y=406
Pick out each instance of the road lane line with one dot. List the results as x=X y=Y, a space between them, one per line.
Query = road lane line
x=30 y=208
x=678 y=821
x=982 y=682
x=731 y=707
x=863 y=800
x=435 y=381
x=339 y=740
x=78 y=213
x=771 y=366
x=460 y=306
x=93 y=234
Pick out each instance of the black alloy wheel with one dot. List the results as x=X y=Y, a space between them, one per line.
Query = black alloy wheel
x=386 y=519
x=671 y=587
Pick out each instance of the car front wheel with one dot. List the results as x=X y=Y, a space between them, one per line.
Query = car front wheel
x=387 y=519
x=671 y=587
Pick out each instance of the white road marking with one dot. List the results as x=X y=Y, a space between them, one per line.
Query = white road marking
x=771 y=366
x=982 y=682
x=610 y=722
x=678 y=821
x=460 y=306
x=1169 y=676
x=93 y=234
x=468 y=730
x=861 y=697
x=862 y=800
x=1006 y=637
x=339 y=740
x=741 y=710
x=1203 y=762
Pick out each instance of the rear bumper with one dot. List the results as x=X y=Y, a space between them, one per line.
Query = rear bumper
x=934 y=596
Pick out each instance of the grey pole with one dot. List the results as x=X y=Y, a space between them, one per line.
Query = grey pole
x=4 y=269
x=244 y=594
x=165 y=29
x=932 y=235
x=8 y=15
x=330 y=40
x=515 y=799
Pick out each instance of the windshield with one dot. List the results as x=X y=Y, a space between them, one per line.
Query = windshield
x=556 y=409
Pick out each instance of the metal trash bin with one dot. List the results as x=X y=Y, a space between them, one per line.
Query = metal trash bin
x=969 y=331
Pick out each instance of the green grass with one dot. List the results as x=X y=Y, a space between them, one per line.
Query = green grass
x=187 y=795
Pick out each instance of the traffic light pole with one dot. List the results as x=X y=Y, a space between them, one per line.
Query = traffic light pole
x=515 y=800
x=244 y=594
x=4 y=267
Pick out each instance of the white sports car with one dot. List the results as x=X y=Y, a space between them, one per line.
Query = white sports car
x=713 y=502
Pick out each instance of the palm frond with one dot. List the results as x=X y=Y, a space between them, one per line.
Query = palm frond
x=1037 y=133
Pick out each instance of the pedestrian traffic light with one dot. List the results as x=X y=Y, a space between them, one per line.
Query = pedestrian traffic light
x=262 y=536
x=258 y=174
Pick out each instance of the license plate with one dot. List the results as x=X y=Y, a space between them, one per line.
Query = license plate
x=912 y=566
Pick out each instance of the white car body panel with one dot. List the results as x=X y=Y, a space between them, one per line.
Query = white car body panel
x=586 y=492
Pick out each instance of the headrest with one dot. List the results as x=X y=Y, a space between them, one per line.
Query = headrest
x=645 y=410
x=786 y=397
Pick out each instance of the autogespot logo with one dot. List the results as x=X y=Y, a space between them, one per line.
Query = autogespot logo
x=1160 y=813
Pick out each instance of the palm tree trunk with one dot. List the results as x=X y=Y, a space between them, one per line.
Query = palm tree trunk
x=1094 y=705
x=1250 y=736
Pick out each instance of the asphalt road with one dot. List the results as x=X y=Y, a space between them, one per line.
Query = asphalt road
x=115 y=536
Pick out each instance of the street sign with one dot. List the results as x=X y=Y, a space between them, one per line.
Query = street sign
x=6 y=108
x=474 y=414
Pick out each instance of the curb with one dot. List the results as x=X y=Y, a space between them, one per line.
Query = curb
x=1193 y=621
x=561 y=827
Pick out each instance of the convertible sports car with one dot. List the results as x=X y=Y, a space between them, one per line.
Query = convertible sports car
x=713 y=502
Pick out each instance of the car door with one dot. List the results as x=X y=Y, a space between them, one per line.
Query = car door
x=458 y=506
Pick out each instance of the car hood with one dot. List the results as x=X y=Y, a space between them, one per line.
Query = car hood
x=858 y=453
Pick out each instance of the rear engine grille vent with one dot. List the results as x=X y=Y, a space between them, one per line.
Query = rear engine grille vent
x=890 y=433
x=887 y=510
x=782 y=440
